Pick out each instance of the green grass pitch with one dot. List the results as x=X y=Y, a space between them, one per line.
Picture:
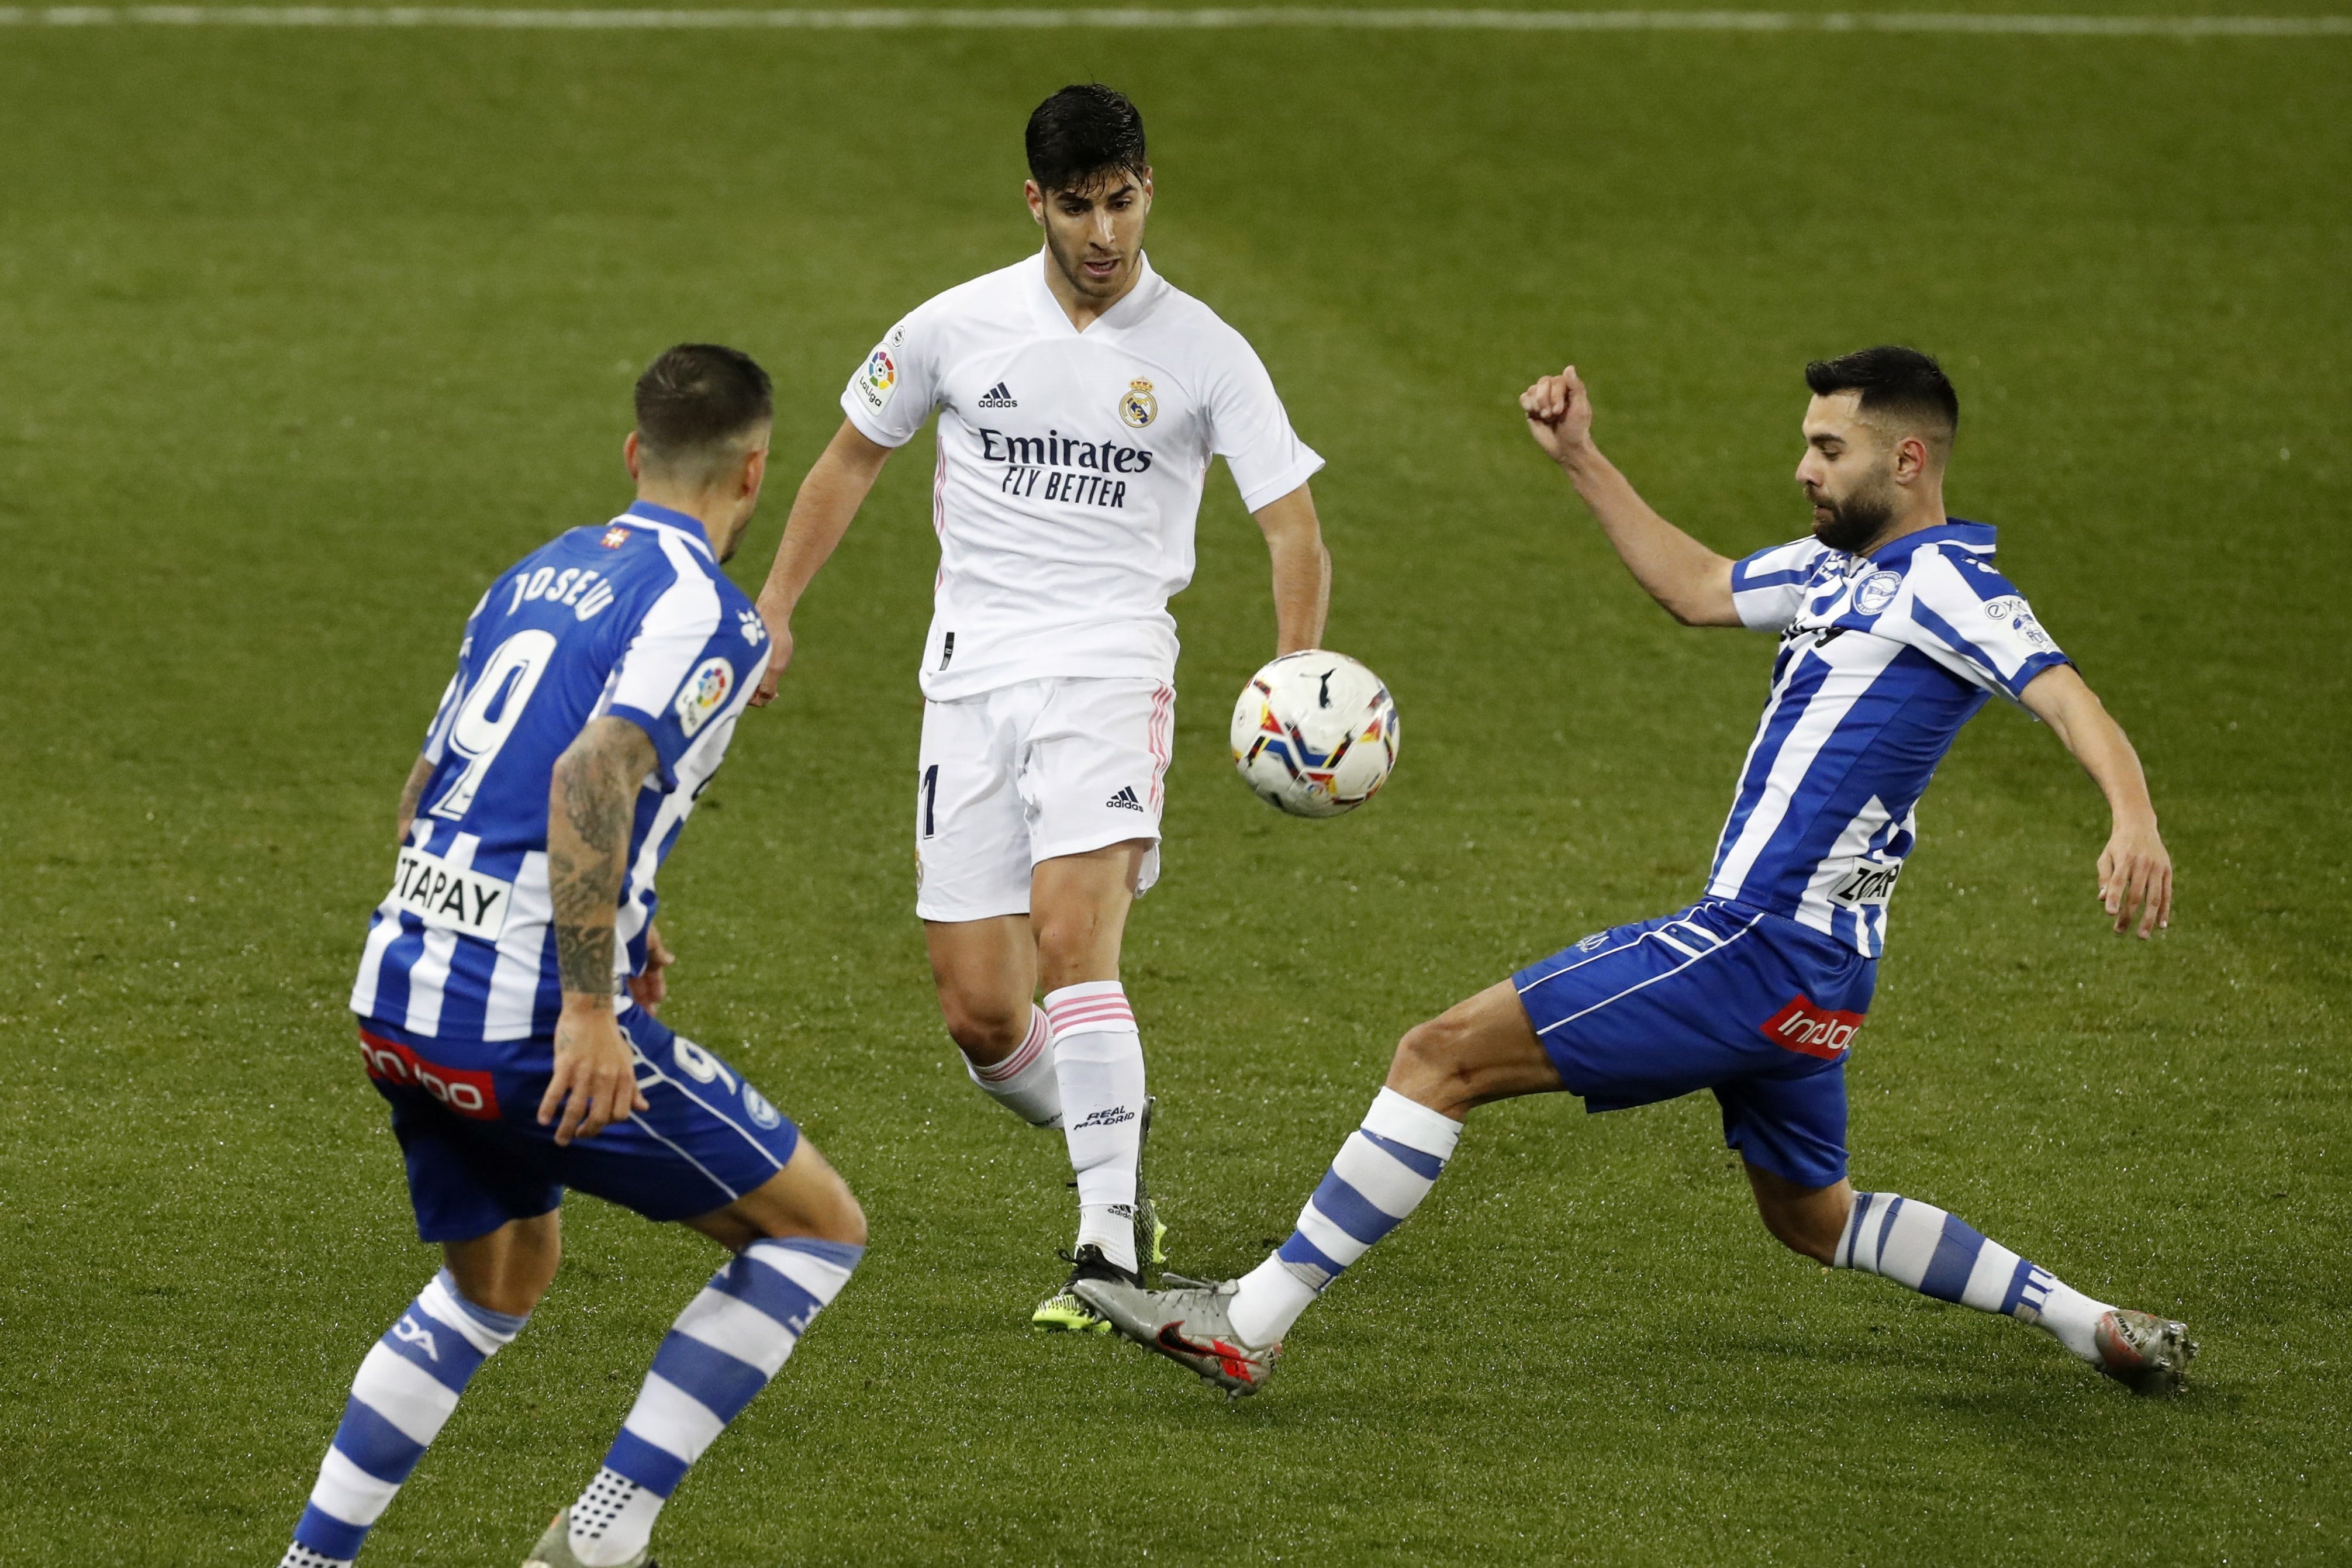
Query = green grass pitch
x=303 y=336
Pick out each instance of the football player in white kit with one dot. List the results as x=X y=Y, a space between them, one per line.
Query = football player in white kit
x=1080 y=399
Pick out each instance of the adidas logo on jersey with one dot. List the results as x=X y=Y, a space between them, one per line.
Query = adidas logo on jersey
x=1125 y=800
x=998 y=397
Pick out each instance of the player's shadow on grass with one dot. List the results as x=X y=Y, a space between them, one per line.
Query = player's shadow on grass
x=1964 y=1375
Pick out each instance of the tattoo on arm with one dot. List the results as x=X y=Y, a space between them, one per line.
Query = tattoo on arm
x=589 y=809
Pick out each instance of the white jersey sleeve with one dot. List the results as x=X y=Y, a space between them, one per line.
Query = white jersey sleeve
x=892 y=394
x=1768 y=587
x=1249 y=428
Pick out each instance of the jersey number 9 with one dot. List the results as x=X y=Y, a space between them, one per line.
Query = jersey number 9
x=490 y=711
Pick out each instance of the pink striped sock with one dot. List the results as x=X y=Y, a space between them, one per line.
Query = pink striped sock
x=1099 y=1060
x=1024 y=1082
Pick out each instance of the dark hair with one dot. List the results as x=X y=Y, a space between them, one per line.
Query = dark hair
x=1083 y=132
x=1903 y=384
x=697 y=397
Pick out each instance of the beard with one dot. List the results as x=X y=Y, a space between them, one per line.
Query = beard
x=1854 y=521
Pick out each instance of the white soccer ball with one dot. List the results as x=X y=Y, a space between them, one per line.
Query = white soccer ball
x=1315 y=733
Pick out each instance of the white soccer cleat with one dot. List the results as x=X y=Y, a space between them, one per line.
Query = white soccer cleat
x=554 y=1549
x=1191 y=1325
x=2146 y=1353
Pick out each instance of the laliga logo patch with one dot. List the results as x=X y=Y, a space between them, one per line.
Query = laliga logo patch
x=705 y=693
x=1137 y=406
x=1877 y=592
x=2021 y=619
x=879 y=381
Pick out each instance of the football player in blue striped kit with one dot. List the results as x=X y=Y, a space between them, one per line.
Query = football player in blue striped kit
x=1895 y=627
x=508 y=989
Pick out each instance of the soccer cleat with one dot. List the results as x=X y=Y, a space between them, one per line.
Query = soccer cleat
x=2146 y=1353
x=1063 y=1312
x=1191 y=1324
x=554 y=1549
x=1151 y=1234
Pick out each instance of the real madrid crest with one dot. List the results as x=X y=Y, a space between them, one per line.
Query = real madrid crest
x=1137 y=406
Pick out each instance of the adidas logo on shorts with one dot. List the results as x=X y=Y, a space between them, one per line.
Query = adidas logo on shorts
x=1125 y=800
x=998 y=397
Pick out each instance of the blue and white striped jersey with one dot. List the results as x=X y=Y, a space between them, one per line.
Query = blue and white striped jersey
x=632 y=618
x=1882 y=657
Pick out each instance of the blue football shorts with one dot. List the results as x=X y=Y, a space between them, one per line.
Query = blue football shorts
x=466 y=1115
x=1720 y=996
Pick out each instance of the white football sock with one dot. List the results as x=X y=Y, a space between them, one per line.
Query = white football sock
x=613 y=1519
x=1025 y=1082
x=1384 y=1170
x=2072 y=1319
x=300 y=1556
x=1098 y=1058
x=1271 y=1297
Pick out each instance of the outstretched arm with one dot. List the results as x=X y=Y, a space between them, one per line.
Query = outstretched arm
x=836 y=486
x=1302 y=570
x=1691 y=581
x=590 y=803
x=2135 y=869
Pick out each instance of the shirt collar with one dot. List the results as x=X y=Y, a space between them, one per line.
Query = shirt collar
x=1138 y=299
x=1960 y=531
x=684 y=522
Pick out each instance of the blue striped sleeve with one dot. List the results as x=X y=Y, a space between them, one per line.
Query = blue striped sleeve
x=1971 y=618
x=695 y=657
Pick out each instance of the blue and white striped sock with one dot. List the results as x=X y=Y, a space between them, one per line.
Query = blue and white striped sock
x=1383 y=1171
x=723 y=1349
x=405 y=1391
x=1937 y=1254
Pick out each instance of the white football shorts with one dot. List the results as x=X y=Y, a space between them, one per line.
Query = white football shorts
x=1032 y=771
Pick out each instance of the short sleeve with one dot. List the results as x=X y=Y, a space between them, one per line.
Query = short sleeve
x=1768 y=588
x=1249 y=428
x=891 y=395
x=1975 y=622
x=688 y=662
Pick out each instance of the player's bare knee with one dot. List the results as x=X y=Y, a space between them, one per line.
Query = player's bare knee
x=1799 y=1239
x=512 y=1284
x=982 y=1031
x=1430 y=1066
x=1805 y=1227
x=1070 y=945
x=845 y=1223
x=835 y=1216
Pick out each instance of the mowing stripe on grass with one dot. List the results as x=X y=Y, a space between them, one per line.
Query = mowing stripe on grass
x=888 y=18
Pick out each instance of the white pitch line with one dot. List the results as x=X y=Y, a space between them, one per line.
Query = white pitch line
x=1297 y=17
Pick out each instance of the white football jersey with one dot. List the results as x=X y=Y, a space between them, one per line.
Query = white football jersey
x=1070 y=468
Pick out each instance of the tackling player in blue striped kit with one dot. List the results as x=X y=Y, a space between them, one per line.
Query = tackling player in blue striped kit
x=1895 y=628
x=508 y=986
